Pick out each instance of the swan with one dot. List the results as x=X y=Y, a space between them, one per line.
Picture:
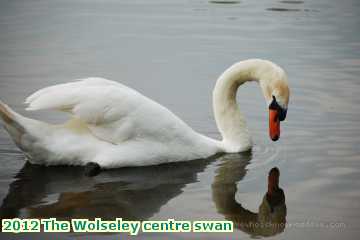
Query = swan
x=115 y=126
x=271 y=216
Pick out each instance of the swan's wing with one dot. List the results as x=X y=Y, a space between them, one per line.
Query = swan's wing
x=102 y=104
x=93 y=100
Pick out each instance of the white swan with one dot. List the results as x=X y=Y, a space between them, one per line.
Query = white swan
x=116 y=126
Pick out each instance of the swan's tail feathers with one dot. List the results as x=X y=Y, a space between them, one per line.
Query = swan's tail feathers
x=12 y=122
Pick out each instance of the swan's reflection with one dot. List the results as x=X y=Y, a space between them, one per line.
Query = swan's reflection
x=64 y=192
x=271 y=217
x=138 y=193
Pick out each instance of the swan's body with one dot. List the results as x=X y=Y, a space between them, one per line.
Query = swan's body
x=115 y=126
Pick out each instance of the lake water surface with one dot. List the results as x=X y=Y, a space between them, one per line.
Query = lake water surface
x=173 y=52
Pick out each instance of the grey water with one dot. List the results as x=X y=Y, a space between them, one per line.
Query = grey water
x=173 y=52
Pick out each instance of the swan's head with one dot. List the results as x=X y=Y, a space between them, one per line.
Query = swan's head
x=278 y=98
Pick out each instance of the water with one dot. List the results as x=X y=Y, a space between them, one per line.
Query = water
x=173 y=51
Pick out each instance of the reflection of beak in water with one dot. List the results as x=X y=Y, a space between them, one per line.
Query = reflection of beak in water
x=270 y=219
x=64 y=192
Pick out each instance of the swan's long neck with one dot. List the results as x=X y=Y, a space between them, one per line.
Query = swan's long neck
x=231 y=123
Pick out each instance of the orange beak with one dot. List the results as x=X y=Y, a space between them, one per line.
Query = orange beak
x=274 y=124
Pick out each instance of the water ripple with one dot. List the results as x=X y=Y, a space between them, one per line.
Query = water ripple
x=264 y=155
